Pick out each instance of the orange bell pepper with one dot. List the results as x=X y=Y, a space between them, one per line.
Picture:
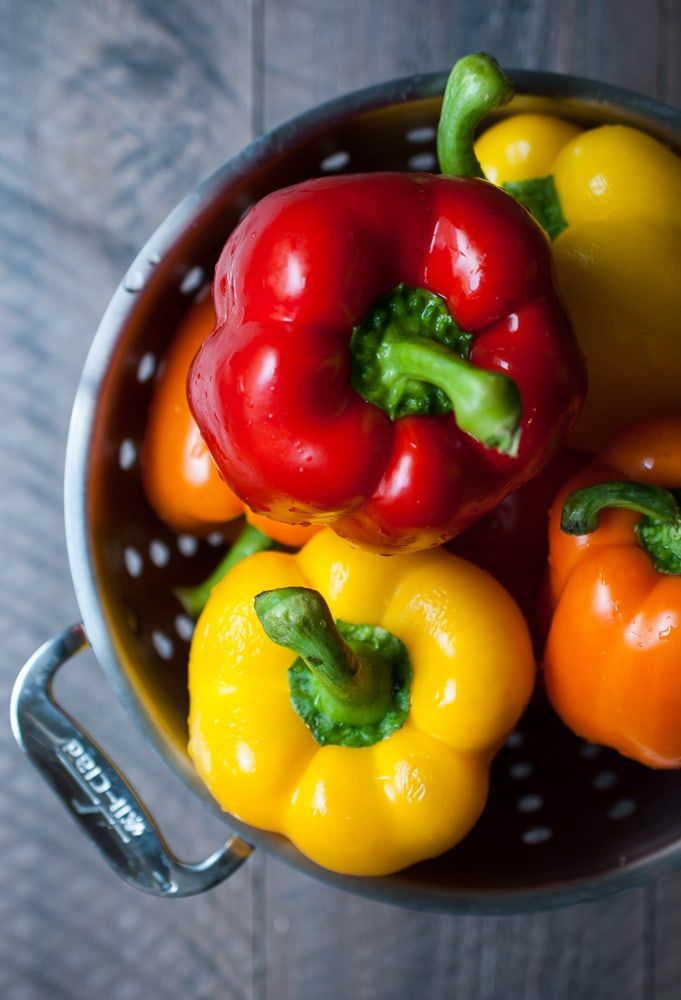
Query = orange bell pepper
x=180 y=478
x=612 y=664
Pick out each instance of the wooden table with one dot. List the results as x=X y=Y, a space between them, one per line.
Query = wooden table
x=110 y=110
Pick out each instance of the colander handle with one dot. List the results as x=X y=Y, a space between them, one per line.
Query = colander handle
x=95 y=792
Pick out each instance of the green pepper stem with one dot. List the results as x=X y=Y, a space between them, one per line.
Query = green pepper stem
x=582 y=509
x=540 y=197
x=475 y=86
x=487 y=405
x=355 y=689
x=250 y=541
x=658 y=532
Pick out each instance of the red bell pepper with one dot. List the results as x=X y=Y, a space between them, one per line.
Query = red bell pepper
x=401 y=416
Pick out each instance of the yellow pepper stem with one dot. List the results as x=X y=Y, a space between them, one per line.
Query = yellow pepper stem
x=349 y=683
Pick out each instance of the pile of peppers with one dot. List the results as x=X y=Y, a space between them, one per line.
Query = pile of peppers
x=388 y=365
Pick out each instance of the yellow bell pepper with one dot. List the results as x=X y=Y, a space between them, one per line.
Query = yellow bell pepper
x=618 y=261
x=372 y=750
x=521 y=147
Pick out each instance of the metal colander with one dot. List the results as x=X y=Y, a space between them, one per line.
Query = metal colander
x=565 y=820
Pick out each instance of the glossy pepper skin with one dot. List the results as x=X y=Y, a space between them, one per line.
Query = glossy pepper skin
x=181 y=480
x=374 y=809
x=613 y=654
x=271 y=388
x=511 y=541
x=617 y=262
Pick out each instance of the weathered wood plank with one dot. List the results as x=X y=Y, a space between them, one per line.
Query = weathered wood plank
x=109 y=112
x=664 y=934
x=324 y=942
x=315 y=51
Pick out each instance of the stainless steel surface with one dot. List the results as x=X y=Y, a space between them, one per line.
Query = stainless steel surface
x=93 y=790
x=562 y=824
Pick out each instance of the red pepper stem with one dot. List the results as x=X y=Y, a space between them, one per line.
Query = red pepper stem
x=475 y=86
x=487 y=405
x=355 y=689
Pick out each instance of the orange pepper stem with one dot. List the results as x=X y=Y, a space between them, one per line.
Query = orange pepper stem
x=659 y=531
x=582 y=509
x=348 y=683
x=250 y=541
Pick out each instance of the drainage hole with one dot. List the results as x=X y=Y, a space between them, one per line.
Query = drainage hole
x=335 y=161
x=622 y=809
x=537 y=835
x=133 y=561
x=422 y=161
x=605 y=780
x=187 y=544
x=146 y=367
x=159 y=553
x=520 y=770
x=192 y=280
x=162 y=644
x=127 y=454
x=184 y=626
x=422 y=133
x=529 y=803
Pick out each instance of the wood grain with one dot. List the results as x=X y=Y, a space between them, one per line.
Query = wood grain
x=665 y=913
x=323 y=940
x=110 y=110
x=109 y=113
x=314 y=51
